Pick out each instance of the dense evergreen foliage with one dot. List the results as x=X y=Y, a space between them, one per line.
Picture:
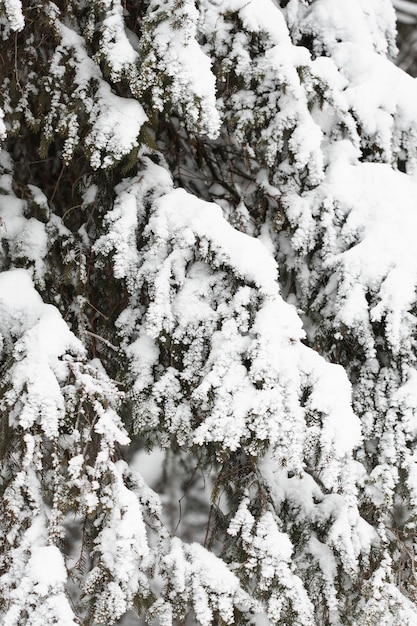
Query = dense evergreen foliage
x=207 y=314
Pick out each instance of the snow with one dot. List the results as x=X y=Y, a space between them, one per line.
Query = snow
x=381 y=96
x=27 y=238
x=378 y=202
x=37 y=574
x=117 y=120
x=366 y=247
x=348 y=536
x=115 y=44
x=189 y=306
x=109 y=427
x=276 y=83
x=43 y=337
x=367 y=23
x=123 y=220
x=265 y=17
x=181 y=211
x=268 y=553
x=14 y=14
x=213 y=571
x=20 y=304
x=210 y=354
x=332 y=395
x=46 y=568
x=173 y=51
x=198 y=576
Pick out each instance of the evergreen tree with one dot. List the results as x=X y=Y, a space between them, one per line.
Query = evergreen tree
x=207 y=218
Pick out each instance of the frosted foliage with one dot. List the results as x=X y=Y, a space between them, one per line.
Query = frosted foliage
x=216 y=360
x=174 y=68
x=241 y=370
x=39 y=596
x=115 y=46
x=125 y=220
x=331 y=538
x=271 y=104
x=115 y=121
x=14 y=15
x=197 y=579
x=345 y=246
x=24 y=239
x=42 y=337
x=274 y=112
x=46 y=380
x=120 y=551
x=380 y=97
x=365 y=245
x=381 y=265
x=354 y=106
x=269 y=553
x=35 y=596
x=368 y=23
x=386 y=605
x=289 y=106
x=284 y=455
x=365 y=230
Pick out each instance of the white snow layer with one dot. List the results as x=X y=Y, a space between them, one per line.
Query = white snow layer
x=116 y=121
x=42 y=338
x=14 y=14
x=189 y=262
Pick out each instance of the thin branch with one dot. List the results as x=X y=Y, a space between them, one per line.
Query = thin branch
x=103 y=340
